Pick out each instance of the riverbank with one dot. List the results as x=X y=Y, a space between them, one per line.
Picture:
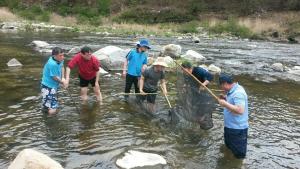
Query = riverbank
x=278 y=27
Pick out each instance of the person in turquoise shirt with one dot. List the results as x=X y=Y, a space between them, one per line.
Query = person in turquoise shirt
x=135 y=64
x=236 y=125
x=53 y=76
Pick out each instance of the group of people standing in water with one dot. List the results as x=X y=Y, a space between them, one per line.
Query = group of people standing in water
x=145 y=80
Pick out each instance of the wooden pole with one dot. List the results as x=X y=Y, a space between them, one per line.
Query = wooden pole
x=136 y=93
x=165 y=96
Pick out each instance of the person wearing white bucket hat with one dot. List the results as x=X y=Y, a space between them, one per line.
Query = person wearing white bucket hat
x=149 y=80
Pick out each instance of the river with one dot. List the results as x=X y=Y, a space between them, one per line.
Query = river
x=95 y=136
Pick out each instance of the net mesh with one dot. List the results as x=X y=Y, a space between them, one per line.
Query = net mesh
x=193 y=104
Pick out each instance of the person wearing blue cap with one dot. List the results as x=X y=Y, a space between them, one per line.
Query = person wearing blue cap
x=135 y=64
x=235 y=111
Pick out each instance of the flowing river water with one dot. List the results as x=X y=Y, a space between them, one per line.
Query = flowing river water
x=95 y=136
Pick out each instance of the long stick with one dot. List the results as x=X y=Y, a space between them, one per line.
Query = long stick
x=165 y=96
x=73 y=101
x=209 y=91
x=136 y=93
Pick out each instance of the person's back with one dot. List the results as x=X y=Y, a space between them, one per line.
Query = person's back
x=202 y=74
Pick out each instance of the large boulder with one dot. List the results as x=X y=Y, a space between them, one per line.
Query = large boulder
x=277 y=67
x=171 y=50
x=193 y=56
x=111 y=57
x=31 y=159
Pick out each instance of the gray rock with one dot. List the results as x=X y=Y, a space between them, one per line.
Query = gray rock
x=277 y=67
x=31 y=159
x=172 y=50
x=193 y=56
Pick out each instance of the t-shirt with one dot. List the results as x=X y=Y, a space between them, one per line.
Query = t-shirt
x=136 y=60
x=151 y=78
x=236 y=96
x=51 y=69
x=87 y=68
x=202 y=74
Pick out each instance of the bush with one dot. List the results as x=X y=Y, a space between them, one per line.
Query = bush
x=145 y=16
x=190 y=27
x=231 y=26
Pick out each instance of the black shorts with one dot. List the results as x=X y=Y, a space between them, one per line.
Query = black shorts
x=85 y=83
x=149 y=97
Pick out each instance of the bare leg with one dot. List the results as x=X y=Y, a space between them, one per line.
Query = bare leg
x=151 y=107
x=98 y=94
x=83 y=94
x=51 y=111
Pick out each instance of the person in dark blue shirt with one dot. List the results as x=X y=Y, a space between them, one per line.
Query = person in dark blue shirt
x=203 y=75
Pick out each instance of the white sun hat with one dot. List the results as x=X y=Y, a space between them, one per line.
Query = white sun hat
x=160 y=61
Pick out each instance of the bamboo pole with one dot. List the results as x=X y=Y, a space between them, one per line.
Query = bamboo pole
x=165 y=96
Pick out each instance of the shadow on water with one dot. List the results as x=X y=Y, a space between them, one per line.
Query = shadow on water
x=100 y=134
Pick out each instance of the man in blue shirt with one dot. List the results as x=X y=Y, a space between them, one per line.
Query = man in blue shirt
x=53 y=75
x=235 y=115
x=135 y=64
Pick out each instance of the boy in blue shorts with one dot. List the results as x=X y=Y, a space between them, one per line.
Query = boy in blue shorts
x=53 y=76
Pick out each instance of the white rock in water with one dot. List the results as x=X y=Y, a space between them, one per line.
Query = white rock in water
x=30 y=98
x=277 y=67
x=296 y=68
x=40 y=44
x=168 y=60
x=102 y=71
x=193 y=55
x=214 y=69
x=134 y=159
x=13 y=62
x=31 y=159
x=171 y=50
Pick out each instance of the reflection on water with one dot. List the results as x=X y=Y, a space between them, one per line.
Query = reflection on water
x=99 y=134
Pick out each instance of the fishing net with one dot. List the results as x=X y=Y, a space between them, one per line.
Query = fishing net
x=193 y=104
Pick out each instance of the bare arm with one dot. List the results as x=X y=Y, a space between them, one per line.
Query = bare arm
x=144 y=67
x=125 y=67
x=235 y=109
x=68 y=70
x=142 y=79
x=63 y=72
x=97 y=77
x=164 y=86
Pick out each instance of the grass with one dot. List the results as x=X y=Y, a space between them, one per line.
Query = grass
x=189 y=27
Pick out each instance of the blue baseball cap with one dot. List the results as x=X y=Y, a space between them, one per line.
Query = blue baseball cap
x=225 y=78
x=144 y=43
